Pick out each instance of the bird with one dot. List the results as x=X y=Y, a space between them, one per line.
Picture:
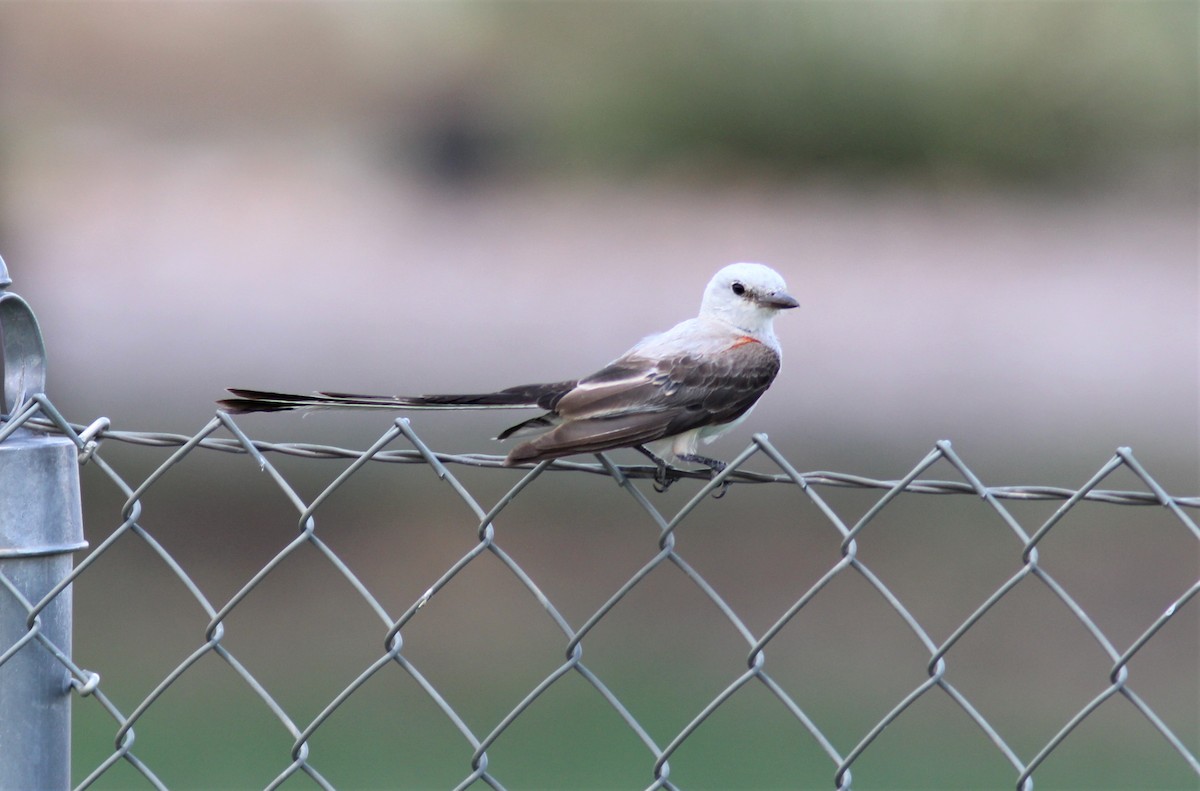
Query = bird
x=664 y=396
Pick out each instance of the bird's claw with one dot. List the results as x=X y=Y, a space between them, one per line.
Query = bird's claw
x=724 y=487
x=719 y=493
x=664 y=476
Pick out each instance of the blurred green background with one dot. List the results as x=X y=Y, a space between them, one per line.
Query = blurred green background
x=988 y=211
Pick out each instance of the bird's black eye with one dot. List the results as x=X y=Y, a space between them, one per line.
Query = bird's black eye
x=739 y=289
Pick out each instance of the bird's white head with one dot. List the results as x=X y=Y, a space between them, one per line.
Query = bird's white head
x=747 y=296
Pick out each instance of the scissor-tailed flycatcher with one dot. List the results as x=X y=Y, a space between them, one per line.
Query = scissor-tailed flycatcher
x=694 y=381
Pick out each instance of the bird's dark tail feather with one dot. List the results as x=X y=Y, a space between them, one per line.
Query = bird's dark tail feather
x=543 y=396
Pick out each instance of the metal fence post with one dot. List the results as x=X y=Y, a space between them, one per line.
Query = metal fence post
x=41 y=524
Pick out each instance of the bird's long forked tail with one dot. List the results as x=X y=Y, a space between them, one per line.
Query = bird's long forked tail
x=266 y=401
x=535 y=396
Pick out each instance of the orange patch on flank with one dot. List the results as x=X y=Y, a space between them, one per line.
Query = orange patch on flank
x=742 y=341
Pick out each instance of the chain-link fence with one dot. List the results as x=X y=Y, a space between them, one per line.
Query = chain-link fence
x=262 y=614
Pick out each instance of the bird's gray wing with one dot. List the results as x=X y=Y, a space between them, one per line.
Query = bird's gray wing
x=635 y=400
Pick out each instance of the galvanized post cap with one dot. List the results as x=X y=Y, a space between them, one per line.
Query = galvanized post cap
x=23 y=352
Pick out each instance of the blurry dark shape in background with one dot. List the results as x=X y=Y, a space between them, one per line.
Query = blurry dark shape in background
x=457 y=141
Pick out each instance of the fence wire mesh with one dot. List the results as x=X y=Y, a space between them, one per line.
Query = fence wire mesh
x=797 y=734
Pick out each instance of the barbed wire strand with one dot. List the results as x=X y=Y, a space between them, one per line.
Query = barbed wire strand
x=99 y=431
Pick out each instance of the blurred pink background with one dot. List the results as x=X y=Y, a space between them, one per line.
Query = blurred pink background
x=198 y=197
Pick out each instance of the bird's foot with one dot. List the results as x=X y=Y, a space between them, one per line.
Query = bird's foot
x=715 y=465
x=664 y=474
x=664 y=477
